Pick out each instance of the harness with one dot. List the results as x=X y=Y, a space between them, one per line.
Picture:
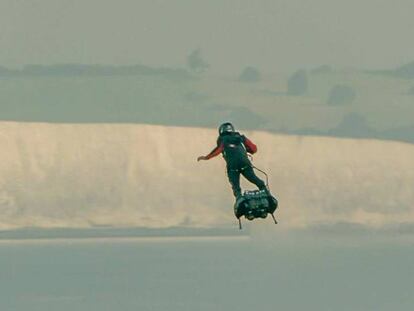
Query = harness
x=233 y=146
x=240 y=169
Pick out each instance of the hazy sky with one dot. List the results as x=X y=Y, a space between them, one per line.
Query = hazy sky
x=273 y=35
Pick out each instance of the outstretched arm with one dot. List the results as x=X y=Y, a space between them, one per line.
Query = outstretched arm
x=215 y=152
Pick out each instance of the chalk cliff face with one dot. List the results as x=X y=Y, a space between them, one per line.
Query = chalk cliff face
x=71 y=175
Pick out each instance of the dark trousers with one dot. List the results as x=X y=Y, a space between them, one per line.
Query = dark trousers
x=248 y=173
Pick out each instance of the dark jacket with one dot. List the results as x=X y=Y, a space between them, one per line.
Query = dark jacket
x=234 y=148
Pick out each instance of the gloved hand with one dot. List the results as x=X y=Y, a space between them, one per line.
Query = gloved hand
x=201 y=158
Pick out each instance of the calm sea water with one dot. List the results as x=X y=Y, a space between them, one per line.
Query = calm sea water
x=204 y=274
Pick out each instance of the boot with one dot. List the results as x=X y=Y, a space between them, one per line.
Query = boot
x=238 y=209
x=267 y=191
x=239 y=198
x=237 y=194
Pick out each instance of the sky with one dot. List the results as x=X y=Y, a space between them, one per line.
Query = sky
x=273 y=35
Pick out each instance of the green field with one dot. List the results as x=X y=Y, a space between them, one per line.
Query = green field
x=382 y=104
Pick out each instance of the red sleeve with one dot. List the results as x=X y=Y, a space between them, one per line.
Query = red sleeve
x=250 y=146
x=215 y=152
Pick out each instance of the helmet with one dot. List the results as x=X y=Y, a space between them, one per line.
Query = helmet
x=226 y=128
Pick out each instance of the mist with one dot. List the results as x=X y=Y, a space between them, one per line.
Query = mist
x=275 y=36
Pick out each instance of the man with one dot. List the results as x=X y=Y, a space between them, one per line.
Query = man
x=234 y=148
